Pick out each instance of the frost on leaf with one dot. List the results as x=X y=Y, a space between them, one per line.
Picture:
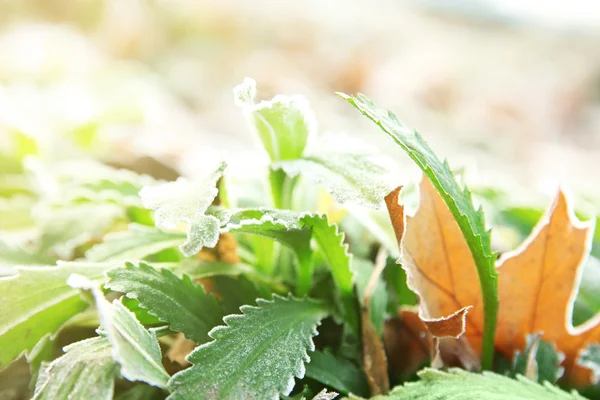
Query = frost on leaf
x=187 y=202
x=134 y=347
x=178 y=301
x=40 y=302
x=283 y=124
x=538 y=285
x=471 y=221
x=350 y=178
x=444 y=279
x=86 y=371
x=258 y=353
x=460 y=384
x=245 y=92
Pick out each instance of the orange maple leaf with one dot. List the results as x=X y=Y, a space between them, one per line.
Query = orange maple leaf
x=537 y=286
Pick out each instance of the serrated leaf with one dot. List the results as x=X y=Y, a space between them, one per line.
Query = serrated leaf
x=134 y=244
x=590 y=358
x=141 y=313
x=177 y=301
x=86 y=371
x=258 y=353
x=132 y=346
x=458 y=384
x=471 y=221
x=280 y=225
x=338 y=373
x=183 y=201
x=540 y=361
x=354 y=178
x=296 y=230
x=283 y=124
x=37 y=301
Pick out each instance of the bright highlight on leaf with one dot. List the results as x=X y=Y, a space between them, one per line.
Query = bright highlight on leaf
x=183 y=201
x=133 y=347
x=283 y=124
x=41 y=302
x=462 y=385
x=350 y=178
x=538 y=285
x=258 y=353
x=86 y=371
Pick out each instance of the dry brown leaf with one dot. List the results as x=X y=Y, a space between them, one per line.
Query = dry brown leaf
x=439 y=266
x=538 y=284
x=374 y=359
x=407 y=343
x=373 y=356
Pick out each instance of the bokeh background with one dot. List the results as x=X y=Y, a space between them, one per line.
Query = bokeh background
x=507 y=90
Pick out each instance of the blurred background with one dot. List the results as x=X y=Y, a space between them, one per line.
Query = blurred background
x=509 y=90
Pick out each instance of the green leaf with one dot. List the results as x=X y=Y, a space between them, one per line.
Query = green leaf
x=355 y=178
x=377 y=307
x=280 y=225
x=37 y=301
x=183 y=201
x=177 y=301
x=458 y=384
x=86 y=371
x=338 y=373
x=134 y=244
x=283 y=124
x=331 y=242
x=132 y=346
x=540 y=361
x=258 y=353
x=471 y=221
x=590 y=358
